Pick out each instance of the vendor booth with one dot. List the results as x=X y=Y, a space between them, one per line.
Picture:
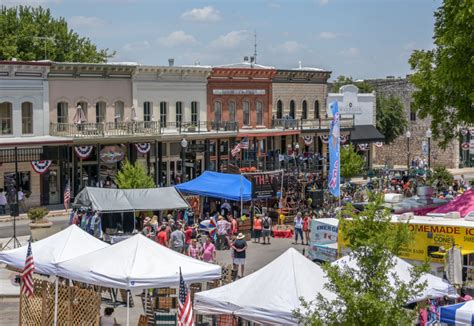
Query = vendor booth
x=458 y=314
x=219 y=185
x=464 y=204
x=269 y=295
x=110 y=213
x=48 y=253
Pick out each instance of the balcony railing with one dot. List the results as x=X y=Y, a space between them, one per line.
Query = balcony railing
x=138 y=128
x=313 y=124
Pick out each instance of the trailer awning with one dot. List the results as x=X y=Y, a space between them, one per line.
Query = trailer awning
x=366 y=134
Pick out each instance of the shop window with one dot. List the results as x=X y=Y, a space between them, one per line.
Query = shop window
x=179 y=113
x=119 y=111
x=292 y=109
x=232 y=110
x=147 y=111
x=246 y=110
x=316 y=110
x=100 y=112
x=9 y=183
x=26 y=118
x=224 y=147
x=217 y=111
x=194 y=112
x=163 y=113
x=62 y=114
x=304 y=110
x=259 y=109
x=279 y=109
x=412 y=114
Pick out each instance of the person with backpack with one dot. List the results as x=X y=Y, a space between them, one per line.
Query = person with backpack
x=266 y=228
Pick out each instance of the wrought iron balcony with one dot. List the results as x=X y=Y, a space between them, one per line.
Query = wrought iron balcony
x=311 y=124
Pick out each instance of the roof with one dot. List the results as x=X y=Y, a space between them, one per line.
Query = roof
x=463 y=204
x=219 y=185
x=32 y=140
x=244 y=64
x=366 y=134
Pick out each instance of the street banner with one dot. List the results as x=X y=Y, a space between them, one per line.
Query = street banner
x=334 y=152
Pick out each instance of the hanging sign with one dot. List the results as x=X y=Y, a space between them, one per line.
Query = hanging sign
x=343 y=139
x=143 y=148
x=464 y=131
x=363 y=147
x=83 y=152
x=112 y=154
x=324 y=139
x=379 y=144
x=41 y=166
x=465 y=146
x=308 y=140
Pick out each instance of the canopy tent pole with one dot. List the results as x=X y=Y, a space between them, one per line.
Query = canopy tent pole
x=128 y=308
x=56 y=301
x=241 y=197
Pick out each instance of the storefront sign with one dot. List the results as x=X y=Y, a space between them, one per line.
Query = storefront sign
x=197 y=148
x=424 y=148
x=323 y=233
x=238 y=92
x=265 y=185
x=322 y=253
x=112 y=154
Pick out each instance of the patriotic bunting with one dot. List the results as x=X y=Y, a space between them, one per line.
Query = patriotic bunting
x=465 y=146
x=324 y=138
x=308 y=140
x=363 y=147
x=41 y=166
x=343 y=139
x=143 y=148
x=464 y=131
x=379 y=144
x=83 y=152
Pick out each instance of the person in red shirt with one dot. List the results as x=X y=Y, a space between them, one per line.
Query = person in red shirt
x=306 y=229
x=234 y=226
x=188 y=234
x=162 y=236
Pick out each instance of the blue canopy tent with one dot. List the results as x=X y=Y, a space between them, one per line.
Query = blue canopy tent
x=458 y=314
x=219 y=185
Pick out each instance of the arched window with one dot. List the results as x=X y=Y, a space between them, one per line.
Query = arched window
x=179 y=113
x=62 y=114
x=163 y=114
x=232 y=111
x=217 y=111
x=316 y=110
x=304 y=110
x=26 y=118
x=6 y=118
x=259 y=109
x=119 y=111
x=246 y=110
x=194 y=112
x=292 y=109
x=279 y=109
x=100 y=112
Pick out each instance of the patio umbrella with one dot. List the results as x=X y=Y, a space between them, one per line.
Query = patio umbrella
x=79 y=116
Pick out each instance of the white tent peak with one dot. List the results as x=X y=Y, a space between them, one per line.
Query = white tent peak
x=47 y=253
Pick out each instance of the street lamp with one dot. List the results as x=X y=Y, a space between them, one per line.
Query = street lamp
x=408 y=135
x=428 y=135
x=184 y=145
x=297 y=158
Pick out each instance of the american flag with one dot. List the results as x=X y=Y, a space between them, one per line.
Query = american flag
x=27 y=285
x=67 y=195
x=235 y=150
x=244 y=143
x=185 y=309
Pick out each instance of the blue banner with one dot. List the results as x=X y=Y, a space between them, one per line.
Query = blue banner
x=334 y=177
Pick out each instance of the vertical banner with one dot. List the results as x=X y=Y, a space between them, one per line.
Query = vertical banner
x=334 y=152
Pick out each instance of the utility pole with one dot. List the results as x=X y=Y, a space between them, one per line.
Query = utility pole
x=255 y=46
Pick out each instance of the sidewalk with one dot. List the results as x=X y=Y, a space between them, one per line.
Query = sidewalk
x=54 y=210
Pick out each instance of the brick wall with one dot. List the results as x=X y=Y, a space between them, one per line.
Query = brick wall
x=299 y=92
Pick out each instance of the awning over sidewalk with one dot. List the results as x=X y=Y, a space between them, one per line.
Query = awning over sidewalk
x=366 y=134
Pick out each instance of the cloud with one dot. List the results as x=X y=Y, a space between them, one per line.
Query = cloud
x=328 y=35
x=273 y=5
x=350 y=52
x=290 y=47
x=230 y=40
x=29 y=2
x=86 y=22
x=206 y=14
x=136 y=46
x=177 y=38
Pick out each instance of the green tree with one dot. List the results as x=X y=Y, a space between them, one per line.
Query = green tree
x=133 y=176
x=29 y=33
x=441 y=178
x=366 y=295
x=363 y=86
x=352 y=164
x=444 y=76
x=391 y=118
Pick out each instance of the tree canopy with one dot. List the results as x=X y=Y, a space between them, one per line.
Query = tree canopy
x=29 y=33
x=365 y=295
x=363 y=86
x=133 y=176
x=391 y=118
x=444 y=76
x=352 y=163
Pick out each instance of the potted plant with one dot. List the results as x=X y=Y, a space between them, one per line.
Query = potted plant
x=37 y=216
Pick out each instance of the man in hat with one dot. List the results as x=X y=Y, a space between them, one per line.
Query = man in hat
x=239 y=248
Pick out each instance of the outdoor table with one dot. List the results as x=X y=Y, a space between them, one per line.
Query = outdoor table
x=282 y=233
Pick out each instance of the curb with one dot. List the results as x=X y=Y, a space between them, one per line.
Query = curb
x=25 y=217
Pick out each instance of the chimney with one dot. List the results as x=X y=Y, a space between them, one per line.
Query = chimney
x=171 y=62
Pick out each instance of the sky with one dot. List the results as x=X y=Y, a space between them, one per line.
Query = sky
x=358 y=38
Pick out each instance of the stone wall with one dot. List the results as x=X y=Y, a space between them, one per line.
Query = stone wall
x=397 y=152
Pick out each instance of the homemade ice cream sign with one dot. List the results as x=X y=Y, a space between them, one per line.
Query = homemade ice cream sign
x=112 y=154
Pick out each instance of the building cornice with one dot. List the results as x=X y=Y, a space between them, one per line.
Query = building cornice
x=301 y=76
x=249 y=73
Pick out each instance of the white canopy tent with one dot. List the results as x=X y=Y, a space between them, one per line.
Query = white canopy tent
x=69 y=243
x=123 y=200
x=137 y=263
x=269 y=295
x=436 y=287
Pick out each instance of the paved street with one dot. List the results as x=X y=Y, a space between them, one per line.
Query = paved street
x=22 y=228
x=258 y=256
